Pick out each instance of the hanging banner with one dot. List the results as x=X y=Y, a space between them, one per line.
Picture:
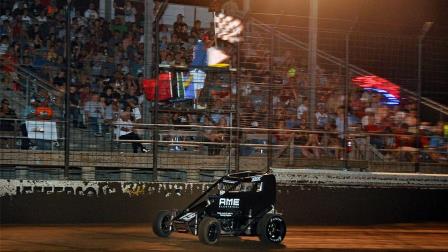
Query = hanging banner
x=164 y=88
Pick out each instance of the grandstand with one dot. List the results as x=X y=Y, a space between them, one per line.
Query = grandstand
x=267 y=109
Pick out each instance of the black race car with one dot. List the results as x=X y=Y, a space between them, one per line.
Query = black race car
x=239 y=204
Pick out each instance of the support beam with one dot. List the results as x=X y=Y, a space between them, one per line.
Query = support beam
x=148 y=58
x=108 y=9
x=68 y=53
x=312 y=60
x=148 y=38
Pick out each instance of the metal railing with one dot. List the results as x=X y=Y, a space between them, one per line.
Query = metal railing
x=191 y=150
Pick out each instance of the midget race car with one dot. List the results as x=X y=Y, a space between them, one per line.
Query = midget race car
x=238 y=204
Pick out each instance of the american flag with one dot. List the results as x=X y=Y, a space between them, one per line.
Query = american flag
x=228 y=28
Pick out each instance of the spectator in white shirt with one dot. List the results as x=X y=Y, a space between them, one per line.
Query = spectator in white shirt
x=26 y=19
x=125 y=131
x=302 y=109
x=129 y=12
x=6 y=16
x=135 y=110
x=321 y=117
x=91 y=13
x=42 y=18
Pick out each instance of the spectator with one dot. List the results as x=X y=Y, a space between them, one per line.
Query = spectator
x=411 y=121
x=43 y=110
x=135 y=110
x=330 y=140
x=302 y=109
x=6 y=16
x=91 y=13
x=312 y=151
x=75 y=113
x=321 y=117
x=119 y=26
x=59 y=80
x=112 y=112
x=180 y=26
x=17 y=8
x=4 y=45
x=42 y=18
x=165 y=33
x=8 y=115
x=26 y=19
x=213 y=135
x=36 y=7
x=292 y=122
x=129 y=12
x=282 y=138
x=94 y=112
x=125 y=131
x=368 y=119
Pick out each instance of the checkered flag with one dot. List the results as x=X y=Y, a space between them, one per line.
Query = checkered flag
x=228 y=28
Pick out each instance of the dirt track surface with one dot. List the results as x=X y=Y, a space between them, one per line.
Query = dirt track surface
x=403 y=237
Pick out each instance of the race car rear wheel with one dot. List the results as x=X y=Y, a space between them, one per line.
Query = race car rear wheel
x=162 y=224
x=271 y=228
x=209 y=231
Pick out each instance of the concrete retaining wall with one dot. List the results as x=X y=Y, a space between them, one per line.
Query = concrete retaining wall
x=363 y=179
x=122 y=202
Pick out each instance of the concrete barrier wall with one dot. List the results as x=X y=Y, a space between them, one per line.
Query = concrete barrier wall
x=123 y=202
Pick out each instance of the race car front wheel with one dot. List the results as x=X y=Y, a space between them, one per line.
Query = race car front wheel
x=271 y=228
x=162 y=224
x=209 y=230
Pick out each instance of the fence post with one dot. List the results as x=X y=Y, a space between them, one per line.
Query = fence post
x=155 y=114
x=229 y=154
x=270 y=114
x=238 y=123
x=421 y=37
x=346 y=98
x=148 y=57
x=312 y=59
x=68 y=53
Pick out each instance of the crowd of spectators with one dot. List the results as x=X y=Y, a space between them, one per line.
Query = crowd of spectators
x=107 y=57
x=107 y=74
x=392 y=128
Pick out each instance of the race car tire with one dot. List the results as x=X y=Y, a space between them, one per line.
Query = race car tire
x=271 y=228
x=161 y=225
x=209 y=231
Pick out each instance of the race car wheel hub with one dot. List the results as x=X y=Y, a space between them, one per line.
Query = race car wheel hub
x=213 y=232
x=275 y=229
x=166 y=227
